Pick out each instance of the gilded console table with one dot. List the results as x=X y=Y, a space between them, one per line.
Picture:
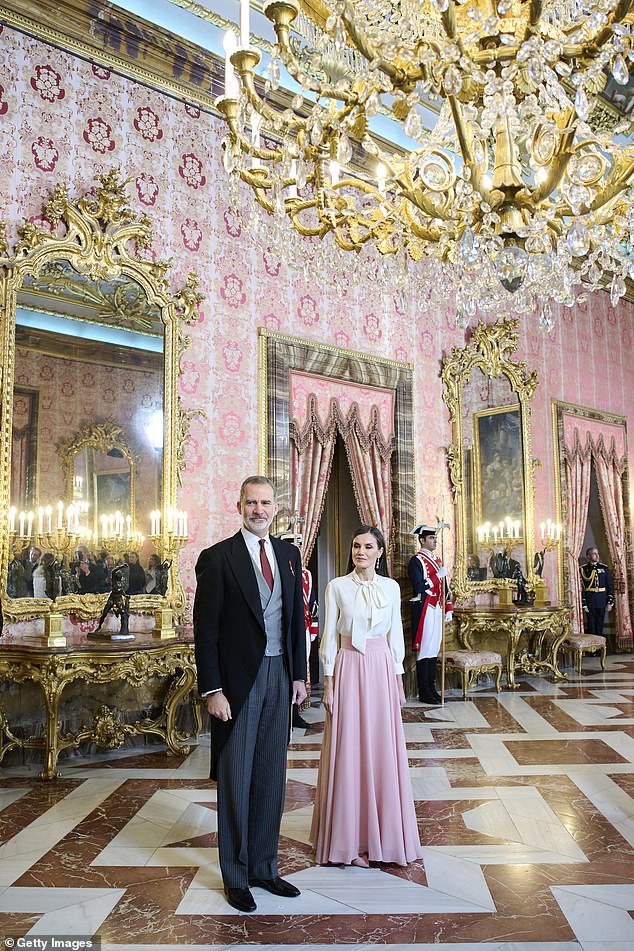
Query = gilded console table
x=533 y=636
x=23 y=660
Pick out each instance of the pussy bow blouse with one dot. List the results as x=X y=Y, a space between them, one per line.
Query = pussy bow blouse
x=361 y=609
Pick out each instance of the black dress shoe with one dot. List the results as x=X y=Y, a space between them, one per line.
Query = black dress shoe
x=276 y=886
x=300 y=722
x=240 y=898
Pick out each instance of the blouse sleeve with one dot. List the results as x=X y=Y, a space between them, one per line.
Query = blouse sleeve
x=397 y=641
x=328 y=646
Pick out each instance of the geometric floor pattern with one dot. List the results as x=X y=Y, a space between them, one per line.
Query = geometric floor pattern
x=525 y=804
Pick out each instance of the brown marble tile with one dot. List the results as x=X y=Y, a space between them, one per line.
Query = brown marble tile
x=546 y=752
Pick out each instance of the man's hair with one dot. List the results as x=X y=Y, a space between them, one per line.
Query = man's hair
x=424 y=535
x=591 y=548
x=256 y=480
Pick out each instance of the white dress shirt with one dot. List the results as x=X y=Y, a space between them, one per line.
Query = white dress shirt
x=361 y=609
x=253 y=545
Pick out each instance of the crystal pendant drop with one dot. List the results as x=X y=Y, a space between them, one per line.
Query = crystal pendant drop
x=372 y=103
x=275 y=73
x=300 y=173
x=504 y=6
x=582 y=105
x=344 y=150
x=340 y=34
x=440 y=5
x=546 y=320
x=578 y=239
x=452 y=81
x=510 y=266
x=620 y=71
x=617 y=289
x=317 y=132
x=413 y=124
x=469 y=247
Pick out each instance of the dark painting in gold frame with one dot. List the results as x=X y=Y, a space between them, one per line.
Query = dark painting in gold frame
x=497 y=465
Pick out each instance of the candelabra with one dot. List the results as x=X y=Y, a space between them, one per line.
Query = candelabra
x=167 y=543
x=551 y=537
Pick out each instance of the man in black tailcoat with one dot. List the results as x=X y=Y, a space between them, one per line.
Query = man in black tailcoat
x=250 y=643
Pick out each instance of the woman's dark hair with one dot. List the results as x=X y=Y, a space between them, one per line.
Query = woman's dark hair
x=381 y=568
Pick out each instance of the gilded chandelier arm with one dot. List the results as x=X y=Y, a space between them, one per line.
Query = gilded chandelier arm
x=361 y=43
x=589 y=48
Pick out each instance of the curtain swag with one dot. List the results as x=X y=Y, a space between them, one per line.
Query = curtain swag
x=368 y=438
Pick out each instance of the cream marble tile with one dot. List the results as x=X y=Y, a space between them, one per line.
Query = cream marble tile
x=182 y=857
x=596 y=912
x=605 y=795
x=307 y=776
x=457 y=877
x=527 y=717
x=76 y=911
x=8 y=796
x=296 y=824
x=195 y=821
x=213 y=902
x=122 y=857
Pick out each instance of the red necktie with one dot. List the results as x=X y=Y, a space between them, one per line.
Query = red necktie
x=265 y=565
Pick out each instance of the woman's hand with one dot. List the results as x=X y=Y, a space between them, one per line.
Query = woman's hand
x=401 y=690
x=329 y=694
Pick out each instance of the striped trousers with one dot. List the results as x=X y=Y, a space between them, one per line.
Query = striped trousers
x=252 y=779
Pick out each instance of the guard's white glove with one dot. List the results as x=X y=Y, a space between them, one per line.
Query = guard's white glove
x=442 y=572
x=448 y=617
x=417 y=598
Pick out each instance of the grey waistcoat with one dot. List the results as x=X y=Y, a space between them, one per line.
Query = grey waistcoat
x=272 y=611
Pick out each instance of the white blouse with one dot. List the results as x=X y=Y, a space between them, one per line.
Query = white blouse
x=361 y=609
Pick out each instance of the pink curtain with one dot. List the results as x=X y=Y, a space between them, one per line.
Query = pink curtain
x=369 y=454
x=578 y=467
x=370 y=458
x=609 y=471
x=310 y=474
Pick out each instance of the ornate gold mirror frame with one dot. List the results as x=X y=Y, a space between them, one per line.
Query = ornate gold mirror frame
x=489 y=350
x=102 y=239
x=101 y=437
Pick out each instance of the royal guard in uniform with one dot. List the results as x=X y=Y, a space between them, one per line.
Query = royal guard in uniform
x=310 y=619
x=597 y=591
x=427 y=574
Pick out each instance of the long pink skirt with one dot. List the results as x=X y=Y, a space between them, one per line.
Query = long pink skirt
x=364 y=801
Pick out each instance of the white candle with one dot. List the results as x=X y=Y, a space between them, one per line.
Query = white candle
x=334 y=172
x=22 y=518
x=558 y=532
x=153 y=522
x=48 y=512
x=40 y=520
x=542 y=529
x=60 y=514
x=231 y=80
x=517 y=529
x=548 y=528
x=292 y=189
x=381 y=175
x=30 y=524
x=111 y=525
x=12 y=519
x=244 y=24
x=495 y=533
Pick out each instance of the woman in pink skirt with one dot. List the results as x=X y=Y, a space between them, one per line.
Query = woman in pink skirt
x=364 y=808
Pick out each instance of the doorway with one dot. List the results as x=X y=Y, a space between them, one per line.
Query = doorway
x=339 y=519
x=595 y=537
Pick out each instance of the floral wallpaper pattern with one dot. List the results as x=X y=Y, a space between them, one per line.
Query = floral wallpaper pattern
x=62 y=118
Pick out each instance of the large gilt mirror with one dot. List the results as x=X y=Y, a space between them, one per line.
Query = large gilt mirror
x=491 y=468
x=93 y=429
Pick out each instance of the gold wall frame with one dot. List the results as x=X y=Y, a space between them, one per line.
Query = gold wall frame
x=559 y=410
x=489 y=350
x=102 y=437
x=103 y=239
x=278 y=354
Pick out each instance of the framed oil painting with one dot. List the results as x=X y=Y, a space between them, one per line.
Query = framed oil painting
x=497 y=465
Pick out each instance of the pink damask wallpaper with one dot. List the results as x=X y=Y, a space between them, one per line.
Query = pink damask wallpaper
x=65 y=119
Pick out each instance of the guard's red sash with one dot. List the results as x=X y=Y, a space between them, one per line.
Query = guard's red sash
x=430 y=564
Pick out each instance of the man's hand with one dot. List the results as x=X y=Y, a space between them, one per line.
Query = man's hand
x=401 y=690
x=587 y=610
x=218 y=706
x=299 y=692
x=610 y=606
x=442 y=572
x=329 y=694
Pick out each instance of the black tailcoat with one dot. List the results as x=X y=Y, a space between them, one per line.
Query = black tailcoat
x=229 y=632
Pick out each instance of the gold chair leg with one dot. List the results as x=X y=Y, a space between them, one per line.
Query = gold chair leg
x=579 y=659
x=465 y=674
x=498 y=677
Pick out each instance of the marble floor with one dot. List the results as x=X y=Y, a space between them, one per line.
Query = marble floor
x=525 y=803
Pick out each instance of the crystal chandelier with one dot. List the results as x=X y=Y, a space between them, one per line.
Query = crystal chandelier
x=514 y=196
